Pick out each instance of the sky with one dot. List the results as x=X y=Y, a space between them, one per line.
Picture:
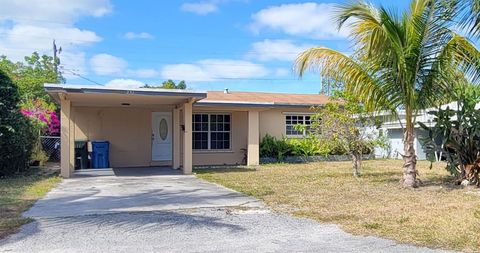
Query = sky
x=242 y=45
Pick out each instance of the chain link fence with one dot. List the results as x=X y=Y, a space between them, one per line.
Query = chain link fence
x=51 y=145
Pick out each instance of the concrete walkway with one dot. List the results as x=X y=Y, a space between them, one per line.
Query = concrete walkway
x=160 y=211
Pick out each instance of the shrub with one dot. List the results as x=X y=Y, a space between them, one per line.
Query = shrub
x=308 y=146
x=455 y=135
x=17 y=136
x=42 y=115
x=271 y=147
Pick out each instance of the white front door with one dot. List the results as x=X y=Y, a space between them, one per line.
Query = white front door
x=162 y=136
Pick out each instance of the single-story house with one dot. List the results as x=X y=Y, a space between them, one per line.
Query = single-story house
x=176 y=128
x=394 y=132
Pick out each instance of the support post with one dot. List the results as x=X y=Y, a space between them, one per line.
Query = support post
x=176 y=138
x=253 y=153
x=187 y=138
x=67 y=159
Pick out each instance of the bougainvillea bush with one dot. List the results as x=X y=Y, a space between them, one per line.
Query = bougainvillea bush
x=45 y=121
x=43 y=115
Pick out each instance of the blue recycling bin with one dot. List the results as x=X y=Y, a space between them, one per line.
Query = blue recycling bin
x=100 y=154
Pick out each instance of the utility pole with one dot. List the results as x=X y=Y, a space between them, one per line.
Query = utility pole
x=56 y=60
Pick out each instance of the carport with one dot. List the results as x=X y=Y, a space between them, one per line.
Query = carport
x=145 y=127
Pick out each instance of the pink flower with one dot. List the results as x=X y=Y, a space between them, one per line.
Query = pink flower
x=46 y=118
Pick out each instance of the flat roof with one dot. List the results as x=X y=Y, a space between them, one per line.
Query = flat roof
x=96 y=89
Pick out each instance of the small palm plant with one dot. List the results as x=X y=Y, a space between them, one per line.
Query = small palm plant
x=400 y=62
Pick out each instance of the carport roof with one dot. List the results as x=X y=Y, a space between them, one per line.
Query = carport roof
x=89 y=95
x=92 y=89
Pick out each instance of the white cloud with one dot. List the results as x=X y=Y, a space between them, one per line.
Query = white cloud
x=31 y=25
x=124 y=83
x=73 y=62
x=314 y=20
x=21 y=40
x=109 y=65
x=52 y=11
x=214 y=69
x=105 y=64
x=201 y=8
x=141 y=35
x=276 y=50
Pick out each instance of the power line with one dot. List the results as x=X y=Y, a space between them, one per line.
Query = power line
x=217 y=78
x=83 y=77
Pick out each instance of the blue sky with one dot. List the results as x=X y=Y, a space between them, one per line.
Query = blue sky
x=212 y=44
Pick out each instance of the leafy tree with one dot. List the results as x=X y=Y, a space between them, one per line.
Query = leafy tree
x=31 y=75
x=182 y=85
x=17 y=136
x=169 y=84
x=408 y=61
x=346 y=125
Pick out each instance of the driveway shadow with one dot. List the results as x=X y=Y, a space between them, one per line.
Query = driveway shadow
x=145 y=221
x=124 y=223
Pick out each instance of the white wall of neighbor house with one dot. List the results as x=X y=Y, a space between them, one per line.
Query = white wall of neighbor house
x=395 y=139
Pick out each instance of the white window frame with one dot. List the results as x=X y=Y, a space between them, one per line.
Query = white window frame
x=300 y=115
x=209 y=132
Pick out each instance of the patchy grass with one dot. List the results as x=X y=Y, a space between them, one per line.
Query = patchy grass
x=17 y=195
x=438 y=214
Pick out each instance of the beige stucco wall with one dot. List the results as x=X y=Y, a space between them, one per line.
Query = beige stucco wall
x=239 y=133
x=272 y=121
x=129 y=132
x=127 y=129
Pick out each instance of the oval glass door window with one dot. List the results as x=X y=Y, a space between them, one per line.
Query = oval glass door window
x=163 y=129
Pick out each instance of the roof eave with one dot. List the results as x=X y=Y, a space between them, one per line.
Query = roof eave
x=56 y=88
x=258 y=105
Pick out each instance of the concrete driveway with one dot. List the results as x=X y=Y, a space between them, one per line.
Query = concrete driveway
x=153 y=210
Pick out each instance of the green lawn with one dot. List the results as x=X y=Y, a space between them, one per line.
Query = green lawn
x=17 y=195
x=438 y=214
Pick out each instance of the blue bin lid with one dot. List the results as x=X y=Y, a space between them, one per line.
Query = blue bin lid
x=100 y=142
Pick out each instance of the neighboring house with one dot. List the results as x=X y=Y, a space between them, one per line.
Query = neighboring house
x=394 y=131
x=177 y=128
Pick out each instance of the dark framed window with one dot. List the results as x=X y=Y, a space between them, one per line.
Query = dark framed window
x=211 y=131
x=291 y=121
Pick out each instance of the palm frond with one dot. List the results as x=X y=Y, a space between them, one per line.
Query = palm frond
x=340 y=67
x=469 y=14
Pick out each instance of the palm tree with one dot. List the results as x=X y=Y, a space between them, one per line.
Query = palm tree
x=469 y=13
x=406 y=61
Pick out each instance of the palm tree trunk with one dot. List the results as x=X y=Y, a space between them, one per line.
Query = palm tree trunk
x=409 y=157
